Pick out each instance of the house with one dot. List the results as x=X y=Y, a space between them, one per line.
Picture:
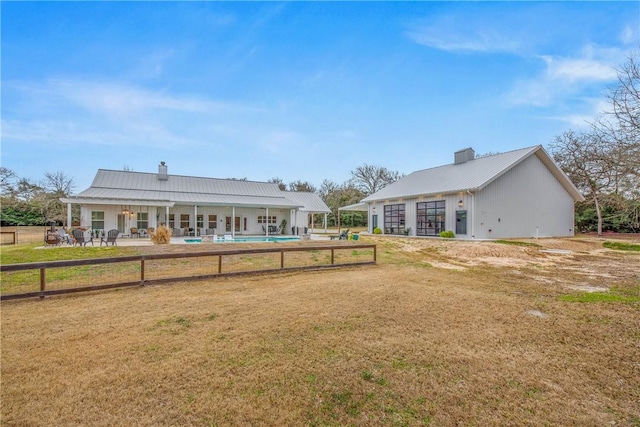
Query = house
x=521 y=193
x=191 y=205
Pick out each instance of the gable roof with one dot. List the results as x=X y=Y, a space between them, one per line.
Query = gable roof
x=310 y=202
x=125 y=187
x=472 y=175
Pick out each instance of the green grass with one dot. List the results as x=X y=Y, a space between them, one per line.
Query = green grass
x=616 y=295
x=23 y=253
x=620 y=246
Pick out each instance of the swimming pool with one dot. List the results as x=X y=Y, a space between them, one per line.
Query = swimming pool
x=192 y=240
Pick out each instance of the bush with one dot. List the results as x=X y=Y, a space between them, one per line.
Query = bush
x=447 y=234
x=377 y=230
x=161 y=236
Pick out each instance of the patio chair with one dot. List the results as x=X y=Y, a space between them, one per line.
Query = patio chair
x=112 y=235
x=80 y=238
x=344 y=235
x=134 y=232
x=64 y=237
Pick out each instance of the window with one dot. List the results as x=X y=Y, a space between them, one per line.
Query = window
x=184 y=220
x=200 y=221
x=272 y=219
x=213 y=221
x=461 y=222
x=172 y=221
x=143 y=220
x=97 y=220
x=430 y=217
x=394 y=219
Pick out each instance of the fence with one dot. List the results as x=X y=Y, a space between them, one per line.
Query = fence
x=40 y=279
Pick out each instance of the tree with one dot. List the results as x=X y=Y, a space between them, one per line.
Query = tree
x=336 y=195
x=302 y=186
x=280 y=182
x=585 y=160
x=7 y=176
x=369 y=178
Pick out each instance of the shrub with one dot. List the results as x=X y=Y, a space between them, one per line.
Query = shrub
x=406 y=231
x=448 y=234
x=377 y=230
x=161 y=235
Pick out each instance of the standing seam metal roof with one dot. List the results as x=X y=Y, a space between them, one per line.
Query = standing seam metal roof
x=472 y=175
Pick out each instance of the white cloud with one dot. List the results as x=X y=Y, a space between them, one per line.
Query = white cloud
x=78 y=112
x=461 y=38
x=628 y=35
x=564 y=77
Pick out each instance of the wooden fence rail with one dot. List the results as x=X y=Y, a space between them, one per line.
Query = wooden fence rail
x=218 y=267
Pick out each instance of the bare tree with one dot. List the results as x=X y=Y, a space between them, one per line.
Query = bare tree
x=370 y=178
x=302 y=186
x=58 y=183
x=625 y=97
x=6 y=185
x=585 y=159
x=280 y=182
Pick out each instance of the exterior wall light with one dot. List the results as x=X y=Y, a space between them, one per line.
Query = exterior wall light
x=460 y=204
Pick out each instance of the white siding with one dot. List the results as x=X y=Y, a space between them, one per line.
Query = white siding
x=527 y=201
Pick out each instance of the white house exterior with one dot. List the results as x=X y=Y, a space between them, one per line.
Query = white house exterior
x=522 y=193
x=190 y=205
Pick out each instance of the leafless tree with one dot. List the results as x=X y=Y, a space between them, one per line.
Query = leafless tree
x=58 y=183
x=280 y=182
x=370 y=178
x=584 y=158
x=302 y=186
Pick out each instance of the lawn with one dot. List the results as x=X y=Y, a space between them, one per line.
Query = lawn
x=438 y=333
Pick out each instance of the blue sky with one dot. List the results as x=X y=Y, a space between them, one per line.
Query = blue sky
x=297 y=90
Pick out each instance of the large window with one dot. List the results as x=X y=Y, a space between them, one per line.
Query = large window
x=394 y=219
x=430 y=218
x=184 y=220
x=213 y=221
x=172 y=220
x=200 y=221
x=97 y=220
x=143 y=220
x=272 y=219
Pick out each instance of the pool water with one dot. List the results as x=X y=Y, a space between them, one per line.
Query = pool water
x=248 y=239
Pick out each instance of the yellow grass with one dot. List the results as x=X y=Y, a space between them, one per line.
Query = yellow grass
x=439 y=333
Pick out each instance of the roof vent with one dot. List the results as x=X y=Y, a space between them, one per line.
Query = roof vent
x=464 y=156
x=163 y=174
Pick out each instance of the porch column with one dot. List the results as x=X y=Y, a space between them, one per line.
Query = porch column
x=325 y=222
x=195 y=220
x=266 y=226
x=68 y=215
x=166 y=216
x=233 y=222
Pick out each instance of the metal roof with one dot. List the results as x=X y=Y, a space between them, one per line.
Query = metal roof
x=472 y=175
x=125 y=187
x=311 y=202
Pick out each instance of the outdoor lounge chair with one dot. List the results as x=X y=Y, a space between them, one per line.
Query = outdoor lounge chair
x=135 y=232
x=112 y=235
x=80 y=239
x=344 y=235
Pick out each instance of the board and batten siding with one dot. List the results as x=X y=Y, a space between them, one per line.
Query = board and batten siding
x=411 y=210
x=526 y=201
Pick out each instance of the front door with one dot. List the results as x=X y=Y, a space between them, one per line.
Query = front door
x=121 y=223
x=461 y=222
x=237 y=224
x=227 y=224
